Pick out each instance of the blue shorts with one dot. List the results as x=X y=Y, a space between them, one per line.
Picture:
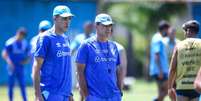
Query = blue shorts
x=191 y=94
x=55 y=97
x=95 y=98
x=165 y=77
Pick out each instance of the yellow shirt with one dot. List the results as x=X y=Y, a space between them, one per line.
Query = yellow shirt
x=188 y=62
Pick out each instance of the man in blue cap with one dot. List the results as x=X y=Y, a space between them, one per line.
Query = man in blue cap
x=51 y=73
x=97 y=64
x=43 y=26
x=16 y=54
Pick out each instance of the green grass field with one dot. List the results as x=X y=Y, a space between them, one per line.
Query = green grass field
x=141 y=91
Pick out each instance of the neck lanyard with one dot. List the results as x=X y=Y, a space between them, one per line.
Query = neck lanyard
x=106 y=55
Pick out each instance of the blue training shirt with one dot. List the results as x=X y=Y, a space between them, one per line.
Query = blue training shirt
x=101 y=60
x=55 y=72
x=18 y=51
x=157 y=46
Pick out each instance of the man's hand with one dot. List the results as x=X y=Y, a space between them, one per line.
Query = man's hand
x=71 y=98
x=172 y=94
x=11 y=67
x=39 y=98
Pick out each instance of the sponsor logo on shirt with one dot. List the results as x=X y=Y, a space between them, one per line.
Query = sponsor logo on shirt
x=101 y=59
x=62 y=53
x=58 y=44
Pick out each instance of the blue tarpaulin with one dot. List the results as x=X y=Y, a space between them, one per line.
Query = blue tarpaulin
x=29 y=13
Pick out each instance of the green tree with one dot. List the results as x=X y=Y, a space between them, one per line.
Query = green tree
x=141 y=19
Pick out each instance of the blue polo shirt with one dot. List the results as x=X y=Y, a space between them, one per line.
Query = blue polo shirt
x=101 y=60
x=56 y=69
x=157 y=46
x=18 y=51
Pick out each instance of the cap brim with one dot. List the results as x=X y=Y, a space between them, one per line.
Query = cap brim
x=107 y=23
x=66 y=15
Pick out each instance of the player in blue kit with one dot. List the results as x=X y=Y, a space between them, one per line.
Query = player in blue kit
x=43 y=26
x=52 y=78
x=97 y=64
x=159 y=60
x=16 y=54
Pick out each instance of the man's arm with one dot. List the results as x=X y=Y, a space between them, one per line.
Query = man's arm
x=6 y=58
x=36 y=77
x=197 y=82
x=81 y=79
x=172 y=75
x=122 y=69
x=123 y=64
x=120 y=77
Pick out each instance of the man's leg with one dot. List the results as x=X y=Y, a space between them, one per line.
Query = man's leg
x=11 y=82
x=182 y=98
x=162 y=89
x=20 y=77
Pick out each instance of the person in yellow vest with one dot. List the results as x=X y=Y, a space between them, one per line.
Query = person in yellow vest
x=185 y=63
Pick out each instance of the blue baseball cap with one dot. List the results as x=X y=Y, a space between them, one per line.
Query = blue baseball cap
x=44 y=25
x=62 y=11
x=104 y=19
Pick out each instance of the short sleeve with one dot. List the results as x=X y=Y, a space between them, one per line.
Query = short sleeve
x=156 y=46
x=42 y=46
x=82 y=54
x=8 y=46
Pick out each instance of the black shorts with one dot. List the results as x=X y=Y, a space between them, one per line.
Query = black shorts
x=155 y=77
x=188 y=93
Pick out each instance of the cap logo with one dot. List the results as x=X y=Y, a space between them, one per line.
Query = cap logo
x=104 y=19
x=63 y=10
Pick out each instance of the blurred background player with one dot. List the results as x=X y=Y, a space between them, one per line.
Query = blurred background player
x=159 y=60
x=43 y=26
x=88 y=32
x=16 y=54
x=99 y=76
x=185 y=64
x=170 y=42
x=52 y=78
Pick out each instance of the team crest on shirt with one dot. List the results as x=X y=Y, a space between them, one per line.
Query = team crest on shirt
x=65 y=44
x=113 y=52
x=112 y=49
